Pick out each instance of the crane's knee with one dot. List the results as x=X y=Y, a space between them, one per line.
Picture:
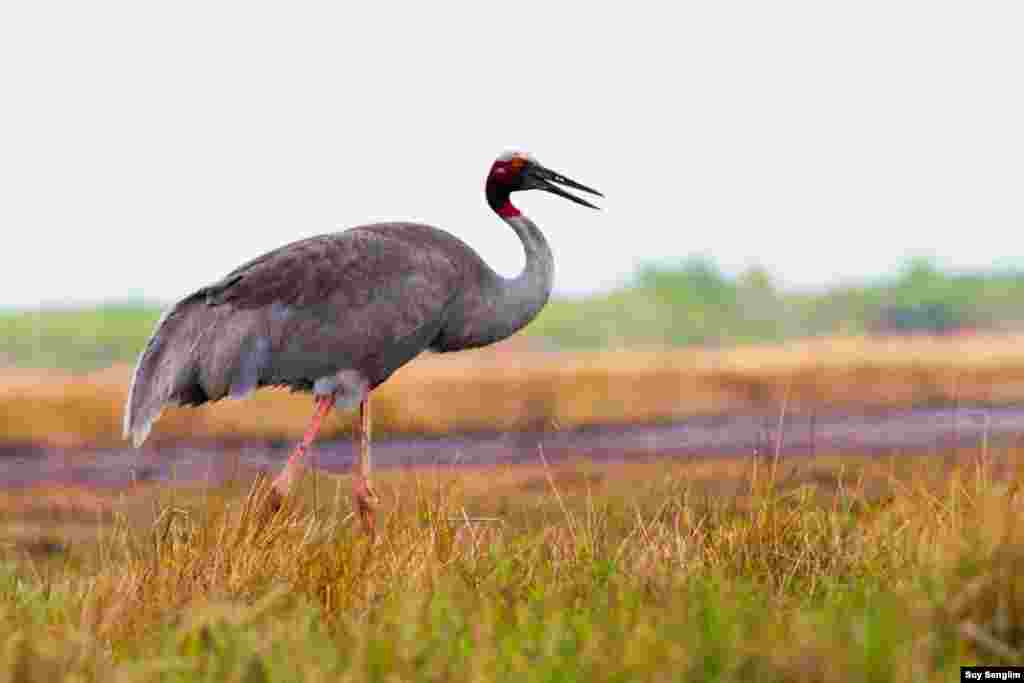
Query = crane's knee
x=348 y=386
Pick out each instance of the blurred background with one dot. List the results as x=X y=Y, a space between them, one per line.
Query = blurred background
x=808 y=206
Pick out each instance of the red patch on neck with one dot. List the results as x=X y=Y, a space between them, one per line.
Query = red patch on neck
x=508 y=211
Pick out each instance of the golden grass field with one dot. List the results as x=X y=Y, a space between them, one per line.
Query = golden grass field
x=829 y=569
x=503 y=389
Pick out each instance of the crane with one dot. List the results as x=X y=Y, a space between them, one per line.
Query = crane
x=337 y=314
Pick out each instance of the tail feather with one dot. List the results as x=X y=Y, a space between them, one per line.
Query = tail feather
x=166 y=372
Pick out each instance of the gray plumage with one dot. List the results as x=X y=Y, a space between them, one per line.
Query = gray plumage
x=355 y=306
x=337 y=314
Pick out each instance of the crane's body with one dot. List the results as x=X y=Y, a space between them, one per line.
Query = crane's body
x=337 y=314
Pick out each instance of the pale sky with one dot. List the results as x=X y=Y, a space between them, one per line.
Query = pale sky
x=147 y=149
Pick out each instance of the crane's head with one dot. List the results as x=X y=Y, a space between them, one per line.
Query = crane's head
x=517 y=171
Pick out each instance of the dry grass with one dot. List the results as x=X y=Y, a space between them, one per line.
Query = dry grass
x=867 y=568
x=514 y=390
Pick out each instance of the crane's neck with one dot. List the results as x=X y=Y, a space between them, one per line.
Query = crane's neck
x=516 y=301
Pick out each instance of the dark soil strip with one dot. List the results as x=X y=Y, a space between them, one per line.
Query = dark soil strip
x=882 y=432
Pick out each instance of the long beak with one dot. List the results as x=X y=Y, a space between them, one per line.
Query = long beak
x=545 y=180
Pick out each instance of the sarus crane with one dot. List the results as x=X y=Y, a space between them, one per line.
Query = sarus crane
x=337 y=314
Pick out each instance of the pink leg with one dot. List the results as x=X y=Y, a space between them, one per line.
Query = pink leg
x=362 y=487
x=283 y=483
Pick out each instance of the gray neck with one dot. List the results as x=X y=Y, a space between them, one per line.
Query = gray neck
x=503 y=306
x=498 y=307
x=521 y=298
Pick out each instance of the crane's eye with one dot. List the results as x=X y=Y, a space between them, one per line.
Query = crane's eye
x=517 y=163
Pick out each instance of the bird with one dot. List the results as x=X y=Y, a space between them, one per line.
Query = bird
x=336 y=314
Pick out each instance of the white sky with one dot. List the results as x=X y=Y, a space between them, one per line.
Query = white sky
x=146 y=149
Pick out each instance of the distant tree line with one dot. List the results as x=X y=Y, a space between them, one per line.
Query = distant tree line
x=694 y=302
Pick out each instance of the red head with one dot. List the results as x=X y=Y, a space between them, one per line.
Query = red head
x=516 y=171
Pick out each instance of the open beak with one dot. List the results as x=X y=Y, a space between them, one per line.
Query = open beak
x=545 y=180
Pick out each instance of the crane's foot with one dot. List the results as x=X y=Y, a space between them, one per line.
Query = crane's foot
x=281 y=487
x=274 y=500
x=366 y=501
